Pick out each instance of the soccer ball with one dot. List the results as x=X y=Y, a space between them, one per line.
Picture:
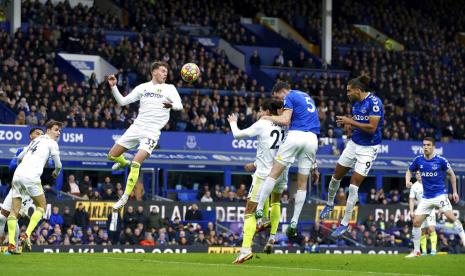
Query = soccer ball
x=190 y=72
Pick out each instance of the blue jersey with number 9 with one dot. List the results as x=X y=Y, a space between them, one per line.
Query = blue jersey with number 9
x=304 y=112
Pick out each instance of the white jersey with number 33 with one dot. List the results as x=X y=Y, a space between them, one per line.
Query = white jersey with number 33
x=36 y=156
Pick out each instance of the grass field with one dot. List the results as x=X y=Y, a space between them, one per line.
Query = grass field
x=216 y=264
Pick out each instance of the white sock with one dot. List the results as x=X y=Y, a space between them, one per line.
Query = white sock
x=351 y=201
x=2 y=225
x=265 y=191
x=416 y=233
x=459 y=229
x=299 y=202
x=332 y=190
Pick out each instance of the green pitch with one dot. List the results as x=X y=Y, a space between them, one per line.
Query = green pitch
x=100 y=264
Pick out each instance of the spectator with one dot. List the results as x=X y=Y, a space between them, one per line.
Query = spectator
x=55 y=217
x=130 y=218
x=206 y=197
x=114 y=226
x=81 y=217
x=193 y=213
x=71 y=186
x=154 y=221
x=68 y=219
x=148 y=241
x=255 y=60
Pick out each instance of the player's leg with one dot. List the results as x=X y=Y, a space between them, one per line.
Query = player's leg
x=4 y=213
x=344 y=164
x=128 y=140
x=268 y=186
x=423 y=241
x=275 y=216
x=116 y=155
x=433 y=237
x=12 y=222
x=457 y=224
x=420 y=216
x=250 y=222
x=38 y=197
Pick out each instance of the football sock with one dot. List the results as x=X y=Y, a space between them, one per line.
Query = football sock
x=351 y=201
x=119 y=159
x=423 y=243
x=250 y=225
x=416 y=233
x=459 y=229
x=433 y=237
x=275 y=216
x=12 y=222
x=35 y=219
x=2 y=224
x=332 y=190
x=265 y=191
x=299 y=201
x=132 y=178
x=266 y=208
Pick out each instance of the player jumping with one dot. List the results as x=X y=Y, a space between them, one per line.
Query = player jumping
x=156 y=99
x=26 y=181
x=433 y=169
x=360 y=152
x=301 y=143
x=429 y=225
x=269 y=137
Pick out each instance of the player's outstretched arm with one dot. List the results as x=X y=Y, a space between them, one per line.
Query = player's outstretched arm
x=283 y=120
x=120 y=99
x=174 y=100
x=252 y=131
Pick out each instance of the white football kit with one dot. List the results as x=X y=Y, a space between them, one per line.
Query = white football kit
x=416 y=192
x=152 y=116
x=358 y=157
x=269 y=138
x=26 y=179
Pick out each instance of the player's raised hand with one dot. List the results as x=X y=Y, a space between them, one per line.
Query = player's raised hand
x=232 y=118
x=111 y=80
x=455 y=197
x=249 y=167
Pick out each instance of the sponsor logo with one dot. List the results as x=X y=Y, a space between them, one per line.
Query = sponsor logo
x=375 y=108
x=207 y=42
x=244 y=144
x=98 y=211
x=191 y=142
x=337 y=213
x=360 y=118
x=8 y=135
x=429 y=174
x=224 y=250
x=155 y=94
x=72 y=137
x=434 y=167
x=419 y=150
x=82 y=64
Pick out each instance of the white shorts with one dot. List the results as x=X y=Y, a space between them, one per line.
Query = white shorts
x=427 y=205
x=22 y=187
x=298 y=145
x=257 y=184
x=360 y=158
x=134 y=135
x=26 y=204
x=430 y=220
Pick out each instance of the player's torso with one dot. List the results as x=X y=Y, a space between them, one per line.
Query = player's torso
x=360 y=113
x=35 y=158
x=268 y=143
x=151 y=109
x=304 y=113
x=432 y=177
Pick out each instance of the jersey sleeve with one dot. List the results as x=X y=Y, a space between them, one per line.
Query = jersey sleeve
x=133 y=96
x=288 y=102
x=252 y=131
x=376 y=108
x=414 y=165
x=54 y=150
x=445 y=165
x=175 y=99
x=412 y=193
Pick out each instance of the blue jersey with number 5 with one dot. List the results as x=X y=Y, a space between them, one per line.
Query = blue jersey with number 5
x=304 y=112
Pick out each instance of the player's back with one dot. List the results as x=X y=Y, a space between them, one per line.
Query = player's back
x=304 y=112
x=36 y=156
x=268 y=142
